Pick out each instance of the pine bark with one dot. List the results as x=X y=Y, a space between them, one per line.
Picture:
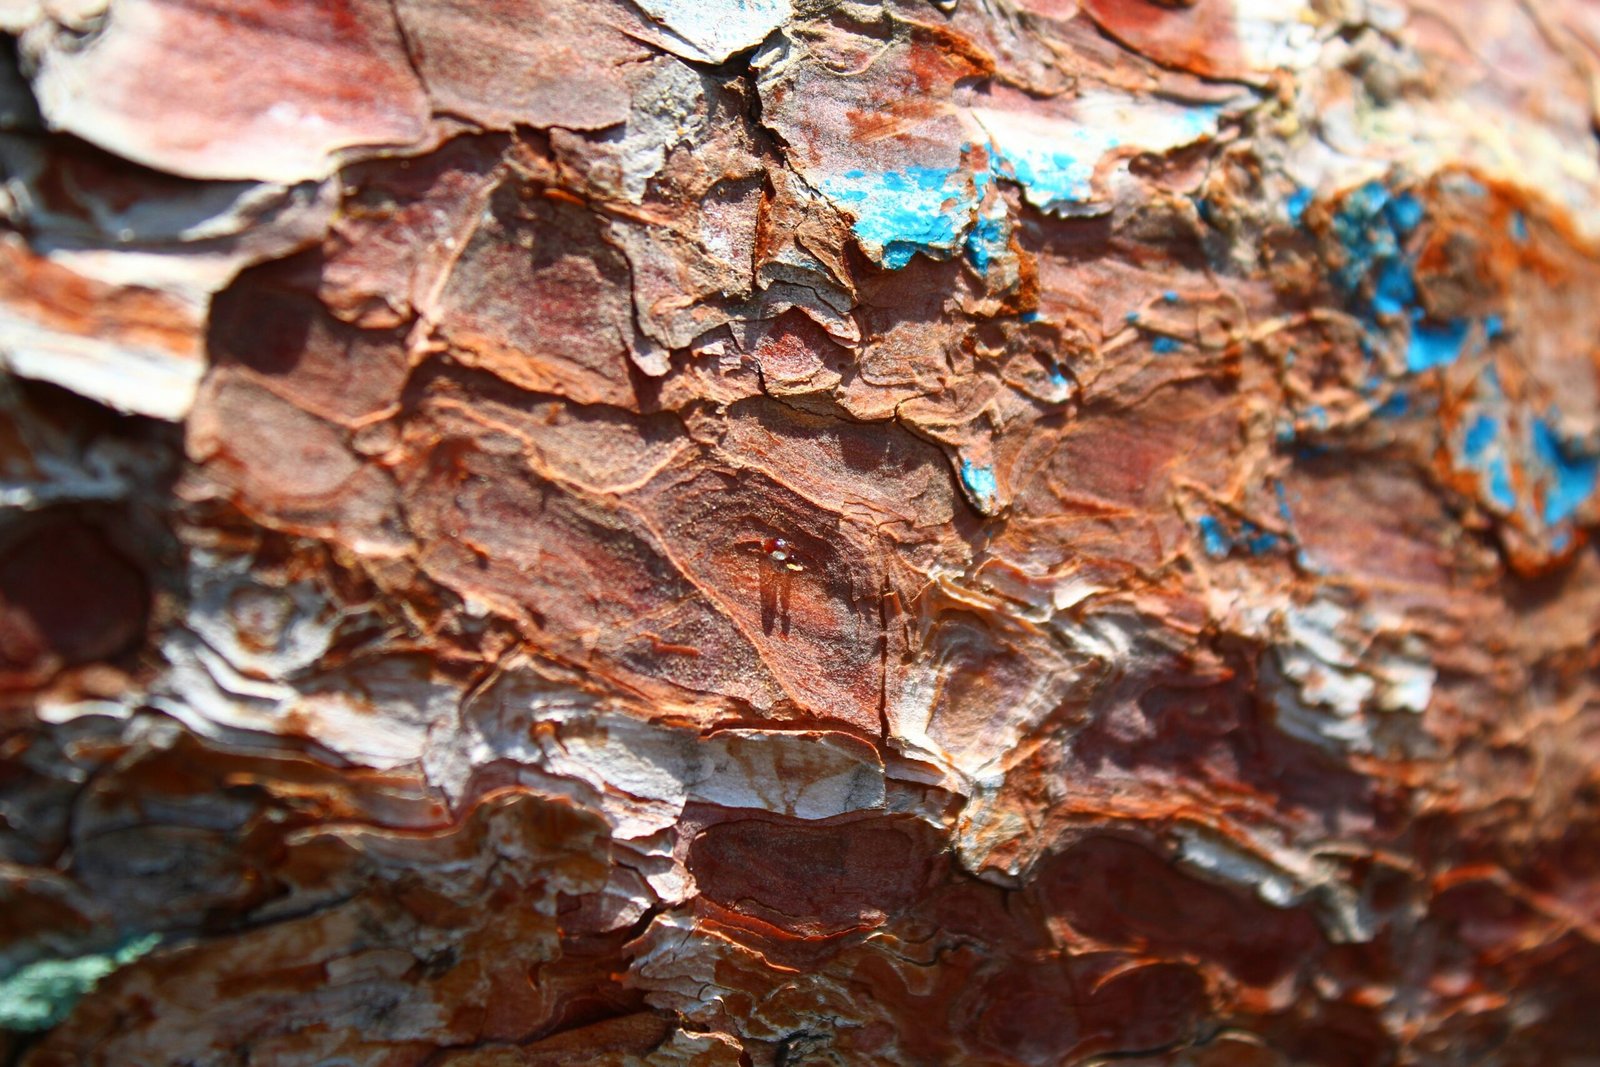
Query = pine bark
x=778 y=532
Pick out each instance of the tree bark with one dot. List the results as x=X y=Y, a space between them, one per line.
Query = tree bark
x=799 y=532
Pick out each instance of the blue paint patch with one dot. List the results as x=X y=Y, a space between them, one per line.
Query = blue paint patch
x=1059 y=179
x=1500 y=490
x=1395 y=290
x=1282 y=493
x=1405 y=212
x=1258 y=541
x=1493 y=327
x=980 y=483
x=1366 y=235
x=1214 y=538
x=1483 y=449
x=1131 y=317
x=1170 y=296
x=1570 y=476
x=1435 y=346
x=1519 y=227
x=1397 y=405
x=987 y=239
x=1296 y=205
x=1030 y=316
x=1219 y=543
x=1061 y=175
x=1165 y=346
x=1479 y=436
x=901 y=213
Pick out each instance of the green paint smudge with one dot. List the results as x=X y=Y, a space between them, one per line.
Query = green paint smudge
x=40 y=995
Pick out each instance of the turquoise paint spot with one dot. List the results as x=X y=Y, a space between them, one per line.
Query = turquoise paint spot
x=1060 y=175
x=1570 y=476
x=1030 y=316
x=1055 y=180
x=1296 y=205
x=1214 y=538
x=1365 y=233
x=1131 y=317
x=1319 y=416
x=1282 y=494
x=1397 y=405
x=1479 y=436
x=980 y=483
x=1395 y=290
x=1500 y=490
x=1165 y=346
x=42 y=994
x=1435 y=346
x=1258 y=541
x=902 y=213
x=1405 y=212
x=1170 y=296
x=1519 y=227
x=986 y=239
x=1493 y=327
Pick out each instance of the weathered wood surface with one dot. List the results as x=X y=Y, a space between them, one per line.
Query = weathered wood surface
x=796 y=532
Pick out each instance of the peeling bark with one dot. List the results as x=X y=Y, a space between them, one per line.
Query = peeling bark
x=797 y=531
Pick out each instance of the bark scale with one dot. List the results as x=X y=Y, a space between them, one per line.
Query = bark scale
x=795 y=532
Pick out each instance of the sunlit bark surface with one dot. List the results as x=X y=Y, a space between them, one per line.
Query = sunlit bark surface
x=778 y=532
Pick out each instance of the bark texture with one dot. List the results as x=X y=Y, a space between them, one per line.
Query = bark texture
x=778 y=532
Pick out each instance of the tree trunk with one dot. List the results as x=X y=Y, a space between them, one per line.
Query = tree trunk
x=787 y=532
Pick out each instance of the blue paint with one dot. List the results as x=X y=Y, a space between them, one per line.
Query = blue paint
x=1435 y=346
x=1296 y=205
x=1519 y=227
x=1282 y=493
x=1405 y=212
x=1397 y=405
x=901 y=213
x=1482 y=449
x=1257 y=540
x=980 y=483
x=1165 y=346
x=1170 y=296
x=1219 y=543
x=1319 y=416
x=1214 y=538
x=1131 y=317
x=1058 y=175
x=1367 y=235
x=1500 y=490
x=988 y=238
x=1493 y=327
x=1570 y=476
x=1057 y=179
x=1030 y=316
x=1479 y=436
x=1395 y=290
